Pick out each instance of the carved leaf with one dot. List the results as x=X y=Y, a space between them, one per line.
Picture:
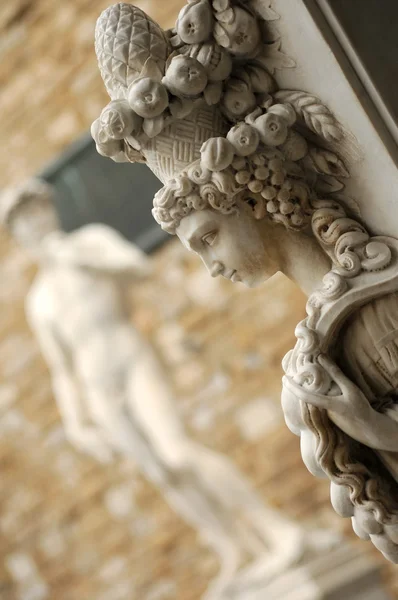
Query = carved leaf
x=226 y=16
x=262 y=8
x=242 y=74
x=325 y=162
x=151 y=70
x=272 y=58
x=221 y=35
x=213 y=93
x=175 y=41
x=181 y=107
x=153 y=127
x=317 y=117
x=220 y=5
x=327 y=184
x=348 y=202
x=293 y=169
x=170 y=58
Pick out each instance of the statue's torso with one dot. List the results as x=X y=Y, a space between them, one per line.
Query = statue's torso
x=88 y=316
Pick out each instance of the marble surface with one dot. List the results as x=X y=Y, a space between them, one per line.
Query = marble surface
x=64 y=528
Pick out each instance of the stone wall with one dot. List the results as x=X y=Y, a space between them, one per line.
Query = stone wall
x=72 y=529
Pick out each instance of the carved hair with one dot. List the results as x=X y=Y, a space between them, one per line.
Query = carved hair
x=262 y=179
x=345 y=461
x=349 y=463
x=195 y=189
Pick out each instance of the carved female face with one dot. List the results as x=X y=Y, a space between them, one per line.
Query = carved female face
x=229 y=245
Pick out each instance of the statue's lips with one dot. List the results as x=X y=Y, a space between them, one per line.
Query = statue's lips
x=231 y=275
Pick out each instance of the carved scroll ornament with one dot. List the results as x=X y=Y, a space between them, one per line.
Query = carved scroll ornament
x=200 y=104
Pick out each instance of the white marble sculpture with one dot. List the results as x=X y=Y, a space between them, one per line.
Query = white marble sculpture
x=253 y=181
x=114 y=397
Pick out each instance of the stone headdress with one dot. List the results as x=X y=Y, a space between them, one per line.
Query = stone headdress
x=200 y=105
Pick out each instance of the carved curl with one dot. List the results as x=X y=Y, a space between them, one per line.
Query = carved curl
x=195 y=189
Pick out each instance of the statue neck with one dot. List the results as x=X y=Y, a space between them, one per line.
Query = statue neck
x=300 y=258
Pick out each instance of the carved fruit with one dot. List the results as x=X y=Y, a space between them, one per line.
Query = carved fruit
x=185 y=76
x=257 y=77
x=295 y=147
x=110 y=148
x=216 y=154
x=242 y=177
x=195 y=22
x=269 y=192
x=118 y=120
x=284 y=111
x=238 y=99
x=216 y=60
x=240 y=36
x=255 y=186
x=272 y=129
x=261 y=173
x=97 y=132
x=147 y=98
x=125 y=37
x=244 y=139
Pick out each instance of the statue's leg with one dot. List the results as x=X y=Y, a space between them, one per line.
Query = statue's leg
x=273 y=533
x=187 y=495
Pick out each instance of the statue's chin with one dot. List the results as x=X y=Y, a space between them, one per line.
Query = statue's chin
x=254 y=281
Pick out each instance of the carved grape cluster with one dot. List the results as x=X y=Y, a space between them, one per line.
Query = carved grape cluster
x=285 y=199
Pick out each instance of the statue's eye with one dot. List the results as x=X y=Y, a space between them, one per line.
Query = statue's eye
x=209 y=238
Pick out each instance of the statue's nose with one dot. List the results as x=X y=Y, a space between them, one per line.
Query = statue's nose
x=216 y=268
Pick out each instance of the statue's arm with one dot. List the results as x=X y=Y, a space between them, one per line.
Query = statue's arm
x=155 y=410
x=103 y=249
x=78 y=429
x=350 y=410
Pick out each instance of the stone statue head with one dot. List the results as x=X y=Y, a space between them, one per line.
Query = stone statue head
x=200 y=105
x=28 y=212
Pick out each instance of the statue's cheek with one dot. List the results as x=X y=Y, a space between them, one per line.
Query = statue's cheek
x=308 y=444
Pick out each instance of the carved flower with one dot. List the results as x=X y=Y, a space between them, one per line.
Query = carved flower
x=148 y=98
x=195 y=22
x=244 y=139
x=272 y=128
x=185 y=76
x=238 y=99
x=216 y=154
x=237 y=30
x=118 y=120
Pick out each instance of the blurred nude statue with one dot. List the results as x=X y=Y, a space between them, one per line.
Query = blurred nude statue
x=114 y=397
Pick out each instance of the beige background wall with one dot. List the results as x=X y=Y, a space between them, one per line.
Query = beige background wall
x=69 y=528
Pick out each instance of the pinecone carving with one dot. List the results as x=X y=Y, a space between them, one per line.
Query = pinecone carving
x=125 y=37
